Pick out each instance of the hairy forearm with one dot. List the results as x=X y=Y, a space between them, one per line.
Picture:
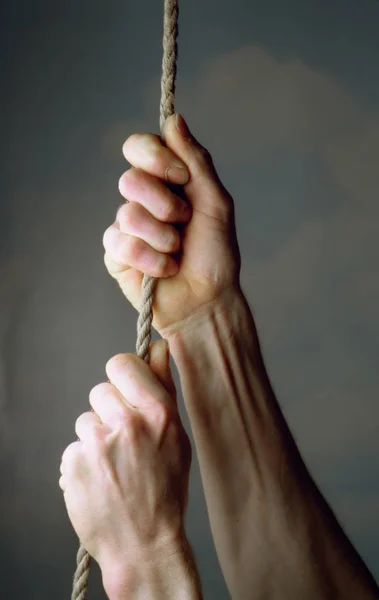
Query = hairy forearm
x=172 y=577
x=275 y=535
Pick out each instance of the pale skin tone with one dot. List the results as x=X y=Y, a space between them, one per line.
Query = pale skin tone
x=125 y=481
x=275 y=536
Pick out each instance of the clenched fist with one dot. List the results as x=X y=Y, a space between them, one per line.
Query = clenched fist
x=185 y=238
x=125 y=481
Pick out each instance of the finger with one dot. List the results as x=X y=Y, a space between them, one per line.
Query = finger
x=160 y=365
x=108 y=403
x=136 y=382
x=136 y=221
x=132 y=252
x=147 y=152
x=146 y=189
x=62 y=483
x=129 y=280
x=89 y=426
x=71 y=457
x=204 y=190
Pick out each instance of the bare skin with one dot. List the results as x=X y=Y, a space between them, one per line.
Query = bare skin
x=275 y=536
x=144 y=238
x=125 y=482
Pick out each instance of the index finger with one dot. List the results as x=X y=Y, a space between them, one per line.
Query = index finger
x=137 y=383
x=107 y=402
x=146 y=151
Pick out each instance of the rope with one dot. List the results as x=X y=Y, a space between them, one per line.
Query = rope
x=170 y=53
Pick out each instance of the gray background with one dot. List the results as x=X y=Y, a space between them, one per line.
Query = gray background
x=286 y=96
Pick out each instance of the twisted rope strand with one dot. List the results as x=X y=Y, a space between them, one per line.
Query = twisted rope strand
x=80 y=583
x=145 y=319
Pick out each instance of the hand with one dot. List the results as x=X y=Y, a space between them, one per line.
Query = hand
x=125 y=481
x=186 y=238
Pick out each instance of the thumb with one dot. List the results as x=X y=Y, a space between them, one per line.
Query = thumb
x=204 y=189
x=160 y=365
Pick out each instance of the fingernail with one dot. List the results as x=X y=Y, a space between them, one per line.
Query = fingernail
x=182 y=127
x=177 y=174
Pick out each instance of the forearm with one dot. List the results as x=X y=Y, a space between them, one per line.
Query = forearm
x=274 y=534
x=154 y=578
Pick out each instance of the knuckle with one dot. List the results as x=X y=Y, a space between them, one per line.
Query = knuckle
x=121 y=211
x=145 y=150
x=122 y=183
x=107 y=262
x=129 y=425
x=108 y=234
x=79 y=420
x=70 y=454
x=160 y=415
x=113 y=266
x=115 y=362
x=169 y=212
x=121 y=247
x=133 y=249
x=99 y=391
x=129 y=142
x=127 y=178
x=115 y=243
x=129 y=216
x=120 y=362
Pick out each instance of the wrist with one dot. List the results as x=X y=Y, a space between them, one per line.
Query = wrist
x=229 y=305
x=162 y=574
x=228 y=317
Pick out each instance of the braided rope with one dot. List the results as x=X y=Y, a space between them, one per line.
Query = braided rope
x=144 y=323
